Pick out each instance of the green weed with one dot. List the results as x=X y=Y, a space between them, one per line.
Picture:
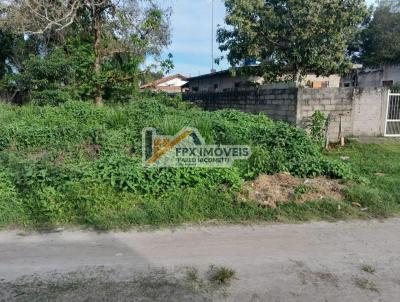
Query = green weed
x=368 y=268
x=78 y=164
x=221 y=275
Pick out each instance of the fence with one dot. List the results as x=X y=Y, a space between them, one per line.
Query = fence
x=392 y=124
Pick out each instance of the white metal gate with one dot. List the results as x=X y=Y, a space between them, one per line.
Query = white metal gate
x=392 y=125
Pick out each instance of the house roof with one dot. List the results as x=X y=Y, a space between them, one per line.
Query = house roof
x=163 y=80
x=208 y=75
x=222 y=72
x=228 y=72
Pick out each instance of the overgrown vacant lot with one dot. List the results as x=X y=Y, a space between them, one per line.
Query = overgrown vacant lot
x=77 y=164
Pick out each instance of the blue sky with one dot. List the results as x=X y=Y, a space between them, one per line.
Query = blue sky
x=191 y=35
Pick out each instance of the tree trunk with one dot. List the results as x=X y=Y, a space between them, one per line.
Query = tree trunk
x=98 y=99
x=297 y=77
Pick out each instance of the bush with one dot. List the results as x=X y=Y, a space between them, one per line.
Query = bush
x=317 y=126
x=47 y=78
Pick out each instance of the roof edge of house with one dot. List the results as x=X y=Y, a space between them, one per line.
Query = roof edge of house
x=163 y=80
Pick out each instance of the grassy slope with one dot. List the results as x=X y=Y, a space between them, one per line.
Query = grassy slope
x=69 y=185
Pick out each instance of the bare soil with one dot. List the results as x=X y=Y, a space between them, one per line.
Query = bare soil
x=270 y=190
x=92 y=149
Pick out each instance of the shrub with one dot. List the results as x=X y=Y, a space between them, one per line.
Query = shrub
x=48 y=78
x=317 y=127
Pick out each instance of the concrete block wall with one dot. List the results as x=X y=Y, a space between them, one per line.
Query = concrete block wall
x=336 y=103
x=361 y=111
x=278 y=104
x=369 y=111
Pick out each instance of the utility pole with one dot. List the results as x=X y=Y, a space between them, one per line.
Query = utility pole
x=212 y=36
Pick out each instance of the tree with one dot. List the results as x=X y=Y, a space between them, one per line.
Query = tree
x=47 y=79
x=379 y=42
x=290 y=38
x=129 y=27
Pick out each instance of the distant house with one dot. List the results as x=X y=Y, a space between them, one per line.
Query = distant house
x=385 y=75
x=220 y=81
x=224 y=81
x=171 y=84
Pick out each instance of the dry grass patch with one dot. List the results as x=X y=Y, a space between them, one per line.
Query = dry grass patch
x=270 y=190
x=364 y=283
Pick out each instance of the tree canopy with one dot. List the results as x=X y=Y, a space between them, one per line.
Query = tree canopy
x=289 y=37
x=379 y=42
x=114 y=37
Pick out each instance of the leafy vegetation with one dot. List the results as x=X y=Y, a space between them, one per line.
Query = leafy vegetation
x=49 y=79
x=79 y=164
x=317 y=126
x=291 y=38
x=73 y=161
x=99 y=44
x=378 y=43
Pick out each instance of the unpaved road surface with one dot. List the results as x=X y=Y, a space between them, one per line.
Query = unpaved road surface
x=346 y=261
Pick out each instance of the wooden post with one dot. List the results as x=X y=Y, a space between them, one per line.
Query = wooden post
x=341 y=137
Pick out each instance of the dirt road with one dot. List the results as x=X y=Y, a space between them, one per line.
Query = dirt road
x=346 y=261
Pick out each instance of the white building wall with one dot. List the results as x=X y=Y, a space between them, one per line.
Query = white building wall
x=375 y=77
